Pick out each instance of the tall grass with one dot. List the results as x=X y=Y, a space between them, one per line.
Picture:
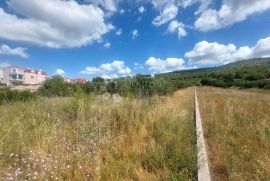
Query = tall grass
x=95 y=138
x=237 y=131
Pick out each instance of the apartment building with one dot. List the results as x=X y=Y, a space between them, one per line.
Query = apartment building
x=1 y=76
x=23 y=76
x=75 y=80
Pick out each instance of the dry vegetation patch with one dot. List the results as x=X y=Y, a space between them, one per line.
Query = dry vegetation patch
x=237 y=130
x=92 y=138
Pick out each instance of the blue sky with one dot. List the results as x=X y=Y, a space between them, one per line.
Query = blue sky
x=113 y=38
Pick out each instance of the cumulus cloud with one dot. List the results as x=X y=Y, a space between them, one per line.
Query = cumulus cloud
x=122 y=11
x=231 y=12
x=157 y=65
x=6 y=50
x=178 y=27
x=262 y=48
x=113 y=76
x=141 y=9
x=168 y=9
x=107 y=45
x=168 y=13
x=107 y=69
x=205 y=53
x=119 y=32
x=135 y=34
x=53 y=23
x=108 y=5
x=60 y=72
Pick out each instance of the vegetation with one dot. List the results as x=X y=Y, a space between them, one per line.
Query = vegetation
x=237 y=130
x=79 y=132
x=98 y=138
x=253 y=73
x=11 y=96
x=139 y=86
x=56 y=87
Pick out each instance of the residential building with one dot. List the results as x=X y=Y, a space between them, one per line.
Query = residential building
x=1 y=76
x=67 y=80
x=79 y=80
x=23 y=76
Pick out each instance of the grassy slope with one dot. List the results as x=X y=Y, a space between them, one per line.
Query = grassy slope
x=95 y=138
x=242 y=66
x=237 y=130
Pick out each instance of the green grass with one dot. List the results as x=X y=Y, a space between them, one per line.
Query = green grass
x=92 y=138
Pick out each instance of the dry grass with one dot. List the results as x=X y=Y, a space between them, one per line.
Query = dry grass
x=237 y=131
x=92 y=138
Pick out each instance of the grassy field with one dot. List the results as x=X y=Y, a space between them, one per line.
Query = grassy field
x=95 y=138
x=237 y=131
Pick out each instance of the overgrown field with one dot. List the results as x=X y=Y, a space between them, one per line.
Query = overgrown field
x=98 y=138
x=237 y=130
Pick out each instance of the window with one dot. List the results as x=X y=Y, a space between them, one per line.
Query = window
x=20 y=76
x=32 y=77
x=14 y=76
x=13 y=70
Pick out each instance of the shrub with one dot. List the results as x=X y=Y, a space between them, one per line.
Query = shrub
x=88 y=87
x=251 y=84
x=253 y=77
x=10 y=96
x=267 y=87
x=56 y=87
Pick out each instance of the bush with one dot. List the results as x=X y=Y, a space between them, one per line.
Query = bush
x=267 y=87
x=10 y=96
x=56 y=87
x=253 y=77
x=88 y=88
x=251 y=84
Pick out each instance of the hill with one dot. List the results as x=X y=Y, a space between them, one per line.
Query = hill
x=245 y=74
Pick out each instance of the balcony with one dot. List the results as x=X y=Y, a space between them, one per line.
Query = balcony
x=16 y=77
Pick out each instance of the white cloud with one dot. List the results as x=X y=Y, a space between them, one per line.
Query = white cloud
x=157 y=65
x=204 y=4
x=107 y=45
x=125 y=71
x=210 y=53
x=108 y=5
x=205 y=53
x=53 y=23
x=178 y=27
x=113 y=76
x=122 y=11
x=138 y=66
x=168 y=9
x=168 y=13
x=141 y=9
x=4 y=65
x=6 y=50
x=262 y=48
x=91 y=71
x=135 y=34
x=119 y=32
x=60 y=72
x=113 y=68
x=231 y=12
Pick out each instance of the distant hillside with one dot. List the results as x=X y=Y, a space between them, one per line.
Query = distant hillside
x=246 y=74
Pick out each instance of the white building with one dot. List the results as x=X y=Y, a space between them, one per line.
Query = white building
x=23 y=76
x=1 y=76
